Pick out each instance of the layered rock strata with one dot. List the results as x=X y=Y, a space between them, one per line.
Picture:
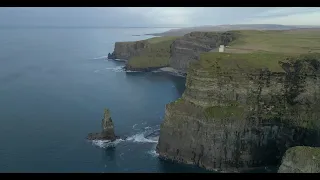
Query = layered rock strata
x=188 y=48
x=236 y=114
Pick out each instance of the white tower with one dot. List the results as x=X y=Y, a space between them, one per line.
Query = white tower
x=221 y=48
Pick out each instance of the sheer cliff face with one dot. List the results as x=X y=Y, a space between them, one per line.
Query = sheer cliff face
x=234 y=116
x=126 y=50
x=187 y=49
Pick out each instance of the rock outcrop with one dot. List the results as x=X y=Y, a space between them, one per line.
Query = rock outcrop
x=145 y=55
x=187 y=49
x=107 y=129
x=301 y=159
x=111 y=56
x=242 y=111
x=126 y=50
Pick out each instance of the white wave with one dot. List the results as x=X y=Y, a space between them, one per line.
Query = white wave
x=116 y=69
x=121 y=60
x=153 y=153
x=102 y=57
x=96 y=71
x=140 y=138
x=134 y=126
x=129 y=71
x=106 y=143
x=147 y=128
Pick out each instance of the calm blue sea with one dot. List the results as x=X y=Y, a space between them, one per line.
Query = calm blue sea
x=54 y=84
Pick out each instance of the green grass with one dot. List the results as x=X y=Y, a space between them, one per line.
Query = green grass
x=251 y=49
x=294 y=41
x=156 y=56
x=231 y=61
x=249 y=61
x=304 y=152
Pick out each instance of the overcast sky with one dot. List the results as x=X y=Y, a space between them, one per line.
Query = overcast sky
x=158 y=17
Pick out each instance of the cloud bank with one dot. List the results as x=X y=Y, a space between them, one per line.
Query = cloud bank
x=158 y=16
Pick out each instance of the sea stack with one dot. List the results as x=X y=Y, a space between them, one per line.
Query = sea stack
x=111 y=56
x=107 y=129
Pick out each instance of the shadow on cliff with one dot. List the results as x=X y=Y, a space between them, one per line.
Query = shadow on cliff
x=179 y=82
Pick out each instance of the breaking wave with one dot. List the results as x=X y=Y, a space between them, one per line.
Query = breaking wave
x=106 y=143
x=140 y=138
x=129 y=71
x=116 y=69
x=102 y=57
x=153 y=153
x=148 y=135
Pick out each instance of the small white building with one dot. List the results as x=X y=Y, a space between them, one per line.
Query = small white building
x=221 y=48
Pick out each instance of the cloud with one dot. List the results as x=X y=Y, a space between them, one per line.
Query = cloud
x=276 y=12
x=158 y=16
x=288 y=16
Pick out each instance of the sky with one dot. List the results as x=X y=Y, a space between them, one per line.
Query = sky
x=157 y=16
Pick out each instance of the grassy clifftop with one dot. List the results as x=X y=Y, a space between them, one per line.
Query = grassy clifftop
x=251 y=61
x=256 y=60
x=256 y=48
x=287 y=41
x=157 y=55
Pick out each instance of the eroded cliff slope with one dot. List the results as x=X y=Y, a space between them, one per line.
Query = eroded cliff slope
x=188 y=48
x=242 y=111
x=301 y=159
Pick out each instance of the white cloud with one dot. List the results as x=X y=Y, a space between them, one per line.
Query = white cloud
x=289 y=16
x=160 y=16
x=196 y=16
x=172 y=16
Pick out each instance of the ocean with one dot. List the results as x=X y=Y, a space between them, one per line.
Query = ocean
x=54 y=85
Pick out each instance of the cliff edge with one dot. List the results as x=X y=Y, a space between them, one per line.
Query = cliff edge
x=176 y=52
x=188 y=48
x=301 y=159
x=242 y=111
x=144 y=55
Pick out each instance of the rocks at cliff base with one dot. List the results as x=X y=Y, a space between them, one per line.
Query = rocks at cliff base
x=107 y=129
x=111 y=56
x=301 y=159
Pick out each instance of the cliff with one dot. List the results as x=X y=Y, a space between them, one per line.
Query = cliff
x=301 y=159
x=188 y=48
x=107 y=129
x=176 y=52
x=144 y=55
x=242 y=111
x=126 y=50
x=179 y=52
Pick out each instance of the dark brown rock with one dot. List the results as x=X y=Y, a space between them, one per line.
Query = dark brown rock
x=107 y=129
